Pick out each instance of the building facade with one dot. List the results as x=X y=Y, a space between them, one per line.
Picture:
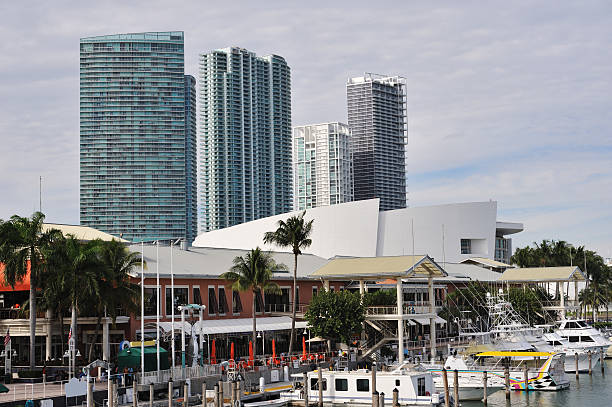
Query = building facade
x=377 y=119
x=322 y=165
x=133 y=136
x=191 y=153
x=245 y=137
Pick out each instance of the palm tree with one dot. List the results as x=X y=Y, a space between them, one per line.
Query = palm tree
x=294 y=233
x=253 y=272
x=22 y=247
x=117 y=292
x=80 y=273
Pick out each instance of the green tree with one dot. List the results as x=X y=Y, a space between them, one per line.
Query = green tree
x=380 y=298
x=528 y=304
x=80 y=271
x=22 y=247
x=254 y=272
x=336 y=315
x=294 y=233
x=116 y=292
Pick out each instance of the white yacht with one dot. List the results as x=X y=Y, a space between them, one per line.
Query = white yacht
x=354 y=388
x=582 y=338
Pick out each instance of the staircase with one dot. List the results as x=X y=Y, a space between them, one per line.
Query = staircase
x=383 y=335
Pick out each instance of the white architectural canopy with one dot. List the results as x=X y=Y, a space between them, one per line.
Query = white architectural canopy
x=446 y=233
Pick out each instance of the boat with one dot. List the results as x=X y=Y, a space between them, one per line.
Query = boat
x=470 y=382
x=354 y=388
x=544 y=370
x=582 y=338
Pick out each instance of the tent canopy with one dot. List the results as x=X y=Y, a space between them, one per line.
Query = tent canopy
x=130 y=357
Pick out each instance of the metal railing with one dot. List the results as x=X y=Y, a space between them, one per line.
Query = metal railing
x=177 y=373
x=285 y=308
x=412 y=308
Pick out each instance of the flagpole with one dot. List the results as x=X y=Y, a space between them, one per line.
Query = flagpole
x=172 y=298
x=158 y=309
x=142 y=366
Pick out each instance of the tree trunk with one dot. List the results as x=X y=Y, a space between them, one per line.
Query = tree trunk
x=254 y=324
x=294 y=311
x=96 y=334
x=32 y=323
x=73 y=326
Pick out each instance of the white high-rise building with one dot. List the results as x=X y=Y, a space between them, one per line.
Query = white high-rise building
x=322 y=165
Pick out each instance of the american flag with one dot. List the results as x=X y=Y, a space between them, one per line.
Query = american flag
x=70 y=335
x=7 y=338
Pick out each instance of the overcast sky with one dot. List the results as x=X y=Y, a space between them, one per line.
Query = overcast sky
x=510 y=101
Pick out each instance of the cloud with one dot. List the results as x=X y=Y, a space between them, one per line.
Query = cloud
x=508 y=101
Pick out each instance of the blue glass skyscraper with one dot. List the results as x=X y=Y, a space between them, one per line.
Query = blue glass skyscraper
x=137 y=136
x=245 y=137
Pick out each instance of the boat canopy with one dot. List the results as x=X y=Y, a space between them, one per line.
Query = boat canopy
x=517 y=354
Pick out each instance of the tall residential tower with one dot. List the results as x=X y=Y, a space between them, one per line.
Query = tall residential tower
x=245 y=137
x=377 y=119
x=137 y=136
x=322 y=165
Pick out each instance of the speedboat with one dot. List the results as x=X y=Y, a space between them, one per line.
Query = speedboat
x=355 y=387
x=544 y=369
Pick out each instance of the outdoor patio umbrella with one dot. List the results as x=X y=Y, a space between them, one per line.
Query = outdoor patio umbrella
x=3 y=388
x=274 y=352
x=251 y=357
x=213 y=354
x=303 y=347
x=232 y=351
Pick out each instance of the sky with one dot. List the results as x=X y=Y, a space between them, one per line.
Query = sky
x=510 y=101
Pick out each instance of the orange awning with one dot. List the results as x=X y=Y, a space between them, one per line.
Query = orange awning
x=23 y=285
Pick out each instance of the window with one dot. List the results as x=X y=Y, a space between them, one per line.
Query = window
x=397 y=383
x=341 y=384
x=222 y=301
x=150 y=301
x=421 y=386
x=236 y=303
x=587 y=339
x=197 y=298
x=574 y=338
x=212 y=301
x=314 y=384
x=363 y=384
x=180 y=298
x=466 y=246
x=315 y=290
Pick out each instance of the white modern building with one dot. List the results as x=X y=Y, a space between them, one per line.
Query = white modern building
x=447 y=233
x=322 y=165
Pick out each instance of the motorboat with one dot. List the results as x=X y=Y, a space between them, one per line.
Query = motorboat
x=582 y=338
x=544 y=369
x=354 y=388
x=470 y=382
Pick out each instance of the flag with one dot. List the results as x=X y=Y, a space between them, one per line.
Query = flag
x=7 y=338
x=70 y=335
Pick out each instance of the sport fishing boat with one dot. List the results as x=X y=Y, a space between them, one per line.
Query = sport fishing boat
x=354 y=388
x=544 y=369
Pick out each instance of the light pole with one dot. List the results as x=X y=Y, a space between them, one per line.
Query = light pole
x=184 y=308
x=158 y=311
x=142 y=312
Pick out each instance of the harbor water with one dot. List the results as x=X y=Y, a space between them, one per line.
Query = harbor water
x=588 y=391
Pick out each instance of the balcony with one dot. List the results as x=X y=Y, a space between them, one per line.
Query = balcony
x=410 y=308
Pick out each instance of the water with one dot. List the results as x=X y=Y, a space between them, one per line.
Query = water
x=589 y=391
